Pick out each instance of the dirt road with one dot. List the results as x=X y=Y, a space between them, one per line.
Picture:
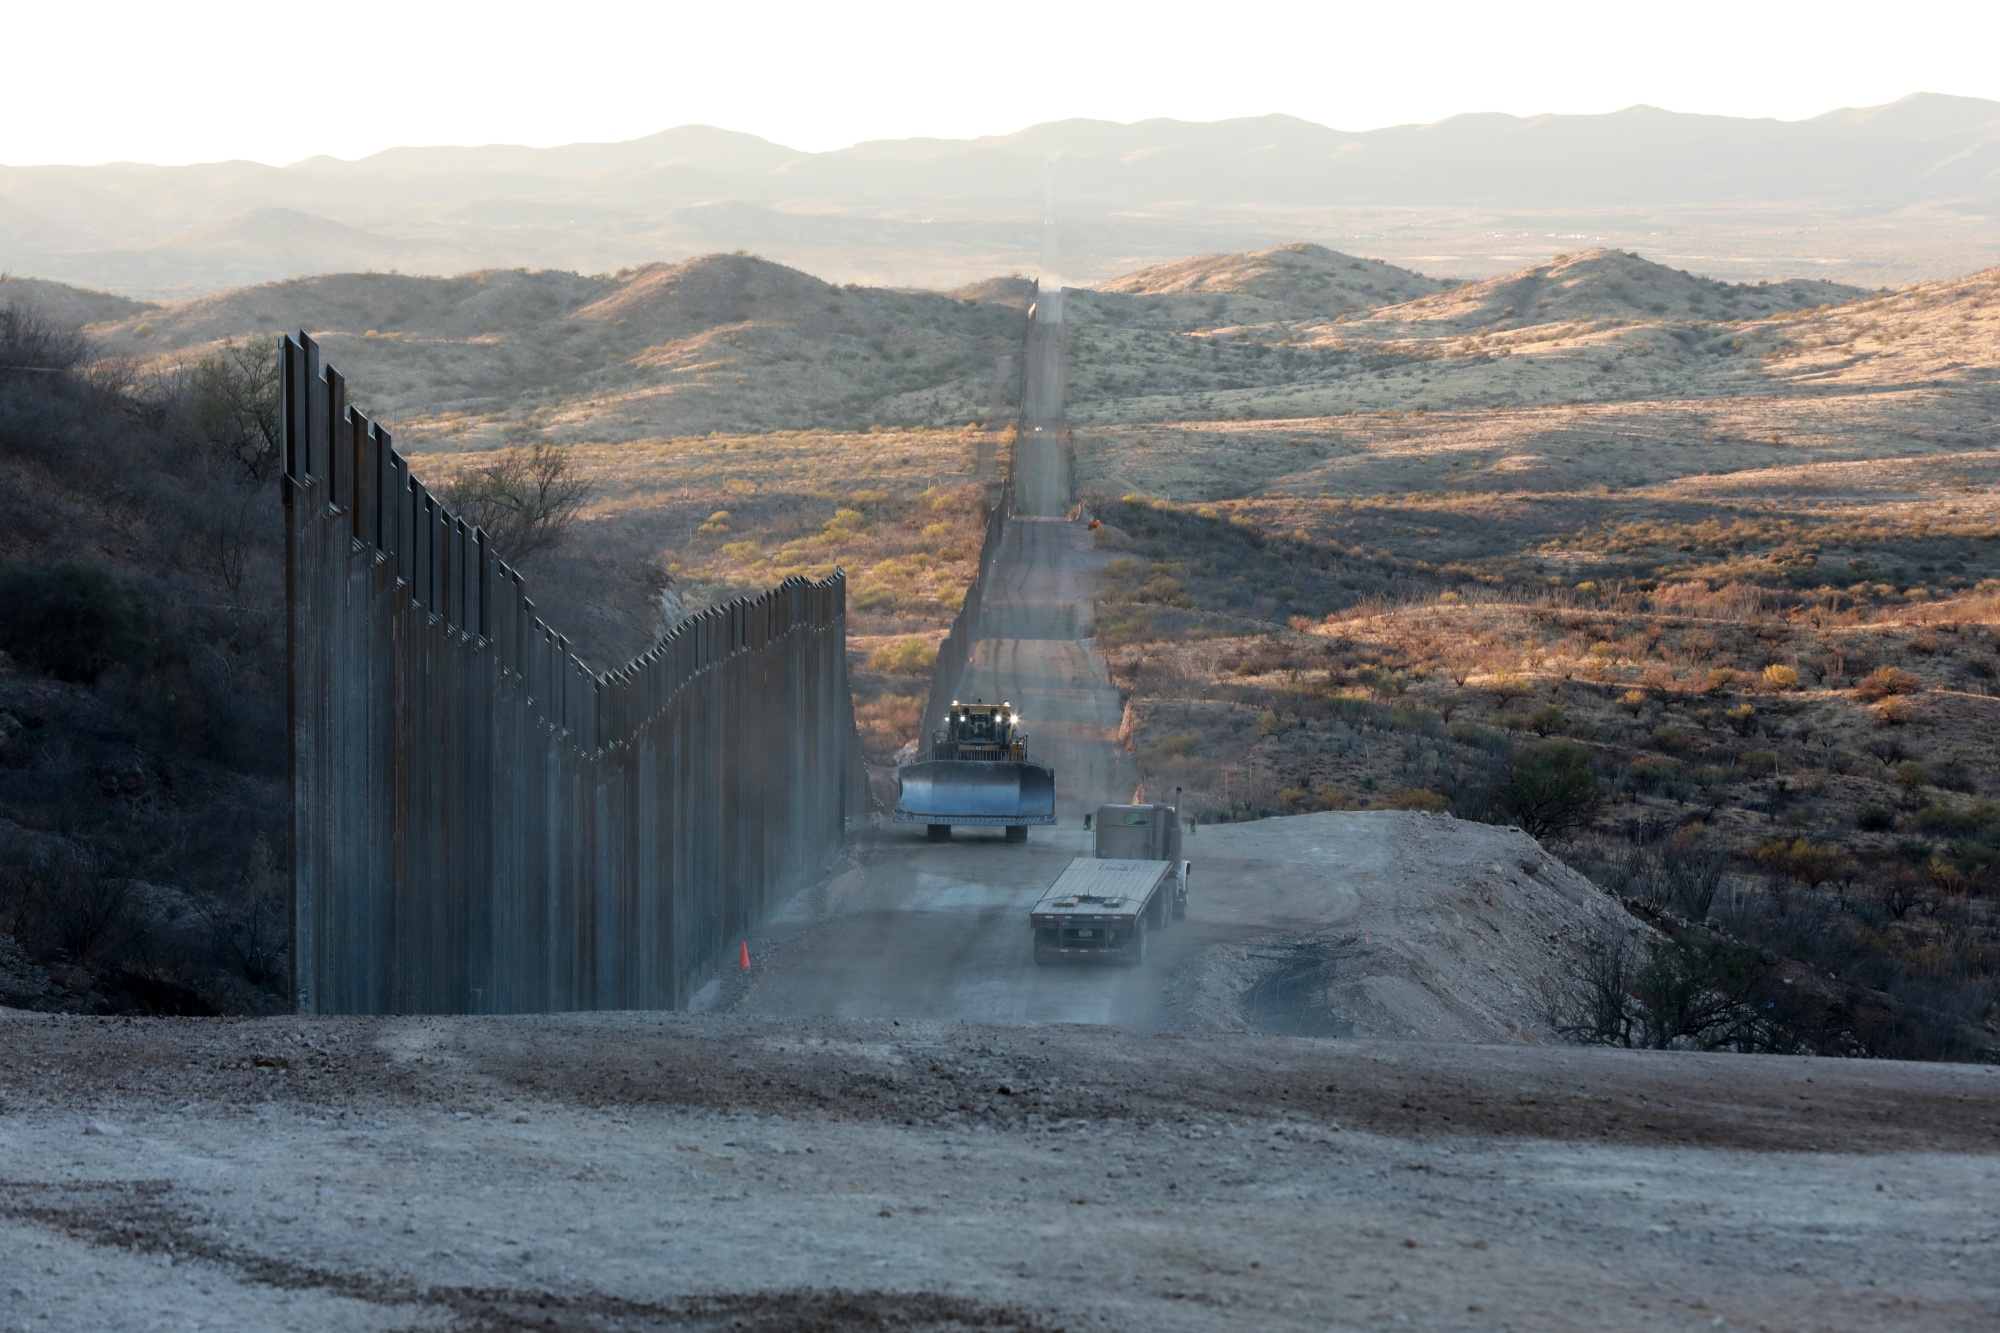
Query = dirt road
x=924 y=930
x=1041 y=453
x=592 y=1172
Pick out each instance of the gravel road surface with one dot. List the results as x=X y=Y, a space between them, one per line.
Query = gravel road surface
x=711 y=1172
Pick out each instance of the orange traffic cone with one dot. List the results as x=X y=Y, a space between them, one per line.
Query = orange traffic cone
x=743 y=963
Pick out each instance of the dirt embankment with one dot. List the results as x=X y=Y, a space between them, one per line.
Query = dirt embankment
x=1386 y=923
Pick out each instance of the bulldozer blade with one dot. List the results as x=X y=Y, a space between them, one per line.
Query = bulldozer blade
x=975 y=791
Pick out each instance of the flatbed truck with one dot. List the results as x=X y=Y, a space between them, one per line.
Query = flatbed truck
x=1109 y=905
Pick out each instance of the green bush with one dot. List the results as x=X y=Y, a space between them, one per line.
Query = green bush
x=74 y=620
x=1484 y=738
x=1548 y=789
x=1875 y=819
x=1651 y=774
x=1957 y=821
x=1694 y=989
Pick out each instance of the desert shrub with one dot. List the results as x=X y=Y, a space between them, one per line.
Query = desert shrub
x=526 y=499
x=1651 y=774
x=1118 y=626
x=1545 y=720
x=1549 y=789
x=74 y=620
x=1694 y=989
x=1895 y=711
x=1593 y=1004
x=911 y=657
x=1782 y=677
x=33 y=344
x=1806 y=862
x=1484 y=738
x=888 y=720
x=1958 y=821
x=844 y=525
x=1420 y=798
x=1883 y=682
x=1417 y=721
x=1875 y=819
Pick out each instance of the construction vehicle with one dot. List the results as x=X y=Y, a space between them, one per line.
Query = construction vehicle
x=1109 y=905
x=977 y=771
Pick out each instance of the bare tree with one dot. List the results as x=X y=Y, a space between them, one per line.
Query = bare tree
x=1592 y=1003
x=526 y=498
x=33 y=344
x=236 y=406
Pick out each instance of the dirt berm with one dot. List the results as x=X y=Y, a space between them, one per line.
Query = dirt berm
x=1384 y=924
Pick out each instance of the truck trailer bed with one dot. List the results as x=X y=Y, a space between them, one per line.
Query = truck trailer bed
x=1102 y=906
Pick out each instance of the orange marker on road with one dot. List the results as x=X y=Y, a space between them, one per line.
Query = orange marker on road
x=743 y=964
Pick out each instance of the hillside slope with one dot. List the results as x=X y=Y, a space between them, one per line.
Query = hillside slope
x=1603 y=325
x=1301 y=277
x=1736 y=557
x=724 y=342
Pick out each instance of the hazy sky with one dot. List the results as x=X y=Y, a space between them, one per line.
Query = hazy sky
x=277 y=80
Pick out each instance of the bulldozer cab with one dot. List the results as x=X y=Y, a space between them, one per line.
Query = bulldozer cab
x=981 y=731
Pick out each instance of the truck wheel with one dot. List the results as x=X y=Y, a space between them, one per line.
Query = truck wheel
x=1135 y=952
x=938 y=832
x=1042 y=957
x=1017 y=833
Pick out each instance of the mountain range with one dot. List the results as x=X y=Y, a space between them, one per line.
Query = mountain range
x=1884 y=194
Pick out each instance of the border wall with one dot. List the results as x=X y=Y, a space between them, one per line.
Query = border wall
x=956 y=648
x=482 y=825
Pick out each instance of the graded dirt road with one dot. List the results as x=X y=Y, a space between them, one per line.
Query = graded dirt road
x=922 y=930
x=926 y=930
x=1041 y=453
x=627 y=1171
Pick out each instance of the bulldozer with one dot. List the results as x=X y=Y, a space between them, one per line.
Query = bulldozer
x=977 y=772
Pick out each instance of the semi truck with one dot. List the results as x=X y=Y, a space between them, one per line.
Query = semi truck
x=1107 y=906
x=977 y=771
